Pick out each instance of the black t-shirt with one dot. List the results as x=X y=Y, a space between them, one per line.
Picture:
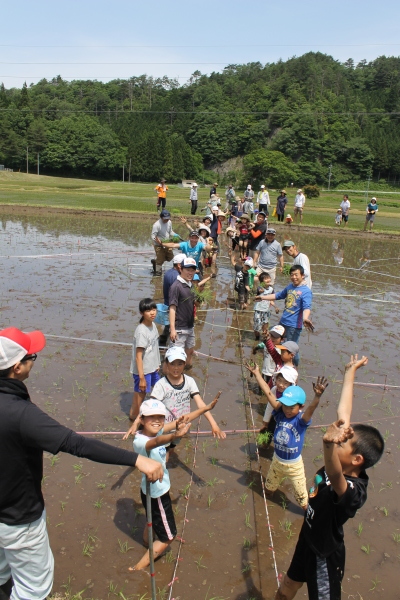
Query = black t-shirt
x=181 y=295
x=25 y=431
x=241 y=279
x=255 y=241
x=326 y=514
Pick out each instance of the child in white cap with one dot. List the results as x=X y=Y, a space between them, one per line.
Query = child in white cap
x=151 y=440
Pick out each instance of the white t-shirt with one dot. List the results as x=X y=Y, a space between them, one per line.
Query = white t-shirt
x=176 y=398
x=345 y=205
x=147 y=338
x=299 y=201
x=269 y=366
x=303 y=260
x=268 y=408
x=159 y=454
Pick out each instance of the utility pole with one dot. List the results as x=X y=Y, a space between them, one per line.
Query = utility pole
x=38 y=163
x=367 y=190
x=123 y=172
x=329 y=178
x=130 y=165
x=27 y=159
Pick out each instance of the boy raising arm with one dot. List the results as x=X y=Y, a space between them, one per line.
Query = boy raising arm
x=339 y=490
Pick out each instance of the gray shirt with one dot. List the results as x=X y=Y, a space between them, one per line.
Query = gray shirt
x=146 y=338
x=269 y=253
x=161 y=230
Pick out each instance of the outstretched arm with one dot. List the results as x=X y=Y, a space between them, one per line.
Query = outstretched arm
x=263 y=385
x=335 y=435
x=194 y=414
x=170 y=244
x=216 y=431
x=319 y=388
x=346 y=398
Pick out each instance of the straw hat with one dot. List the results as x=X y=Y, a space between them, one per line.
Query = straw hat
x=244 y=216
x=221 y=214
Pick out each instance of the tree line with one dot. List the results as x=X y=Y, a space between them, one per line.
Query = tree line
x=290 y=120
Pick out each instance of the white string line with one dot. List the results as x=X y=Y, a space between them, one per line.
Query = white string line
x=354 y=269
x=246 y=384
x=171 y=585
x=70 y=254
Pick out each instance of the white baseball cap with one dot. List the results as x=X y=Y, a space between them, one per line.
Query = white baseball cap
x=278 y=329
x=152 y=407
x=249 y=262
x=178 y=258
x=194 y=184
x=262 y=186
x=189 y=263
x=175 y=353
x=288 y=373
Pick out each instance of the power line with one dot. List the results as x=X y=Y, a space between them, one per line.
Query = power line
x=214 y=46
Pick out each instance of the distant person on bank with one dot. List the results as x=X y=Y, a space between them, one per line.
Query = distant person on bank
x=299 y=203
x=26 y=560
x=161 y=190
x=193 y=198
x=345 y=206
x=263 y=200
x=372 y=209
x=281 y=202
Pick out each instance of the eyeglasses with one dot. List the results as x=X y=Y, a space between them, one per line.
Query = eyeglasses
x=31 y=357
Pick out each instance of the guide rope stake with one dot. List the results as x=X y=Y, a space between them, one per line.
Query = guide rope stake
x=151 y=549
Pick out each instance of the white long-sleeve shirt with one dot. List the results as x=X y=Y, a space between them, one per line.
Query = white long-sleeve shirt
x=161 y=230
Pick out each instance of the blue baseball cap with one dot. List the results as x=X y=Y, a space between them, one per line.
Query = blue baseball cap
x=293 y=395
x=196 y=278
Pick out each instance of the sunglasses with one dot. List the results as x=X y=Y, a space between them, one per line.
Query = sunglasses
x=31 y=357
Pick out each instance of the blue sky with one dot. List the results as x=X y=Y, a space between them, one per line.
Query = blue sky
x=162 y=36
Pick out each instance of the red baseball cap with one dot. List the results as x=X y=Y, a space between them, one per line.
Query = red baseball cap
x=15 y=344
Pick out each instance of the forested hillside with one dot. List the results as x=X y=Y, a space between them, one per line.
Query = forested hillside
x=290 y=120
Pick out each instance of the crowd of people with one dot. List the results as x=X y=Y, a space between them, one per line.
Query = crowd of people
x=161 y=411
x=340 y=486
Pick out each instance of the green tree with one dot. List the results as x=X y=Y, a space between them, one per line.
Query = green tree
x=270 y=167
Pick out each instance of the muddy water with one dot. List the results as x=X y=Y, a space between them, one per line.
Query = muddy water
x=80 y=277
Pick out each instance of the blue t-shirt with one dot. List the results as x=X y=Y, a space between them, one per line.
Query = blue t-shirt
x=289 y=436
x=157 y=489
x=296 y=300
x=169 y=278
x=195 y=252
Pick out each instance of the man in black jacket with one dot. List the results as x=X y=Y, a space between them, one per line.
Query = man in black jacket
x=26 y=560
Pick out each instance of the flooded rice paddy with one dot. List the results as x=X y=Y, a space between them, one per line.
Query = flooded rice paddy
x=82 y=277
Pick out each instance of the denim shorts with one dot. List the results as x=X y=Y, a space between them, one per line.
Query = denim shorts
x=151 y=380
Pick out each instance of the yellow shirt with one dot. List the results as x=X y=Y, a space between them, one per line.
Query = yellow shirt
x=161 y=190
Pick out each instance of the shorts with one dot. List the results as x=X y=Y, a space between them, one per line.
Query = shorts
x=370 y=217
x=162 y=517
x=25 y=555
x=151 y=380
x=322 y=575
x=298 y=210
x=345 y=218
x=243 y=296
x=243 y=238
x=294 y=472
x=260 y=318
x=185 y=338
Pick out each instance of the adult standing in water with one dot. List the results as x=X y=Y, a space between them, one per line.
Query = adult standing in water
x=281 y=202
x=161 y=190
x=26 y=560
x=299 y=258
x=267 y=255
x=372 y=209
x=162 y=231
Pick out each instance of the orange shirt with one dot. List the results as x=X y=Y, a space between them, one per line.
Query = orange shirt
x=161 y=190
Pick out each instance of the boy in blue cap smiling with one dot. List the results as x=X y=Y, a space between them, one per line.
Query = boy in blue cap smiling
x=291 y=427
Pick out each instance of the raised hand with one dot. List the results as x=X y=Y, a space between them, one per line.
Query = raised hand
x=214 y=402
x=133 y=428
x=320 y=386
x=336 y=434
x=355 y=363
x=252 y=367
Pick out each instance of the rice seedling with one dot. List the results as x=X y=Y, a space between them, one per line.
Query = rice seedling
x=199 y=564
x=384 y=510
x=211 y=482
x=247 y=520
x=210 y=500
x=98 y=503
x=213 y=461
x=123 y=547
x=243 y=498
x=366 y=548
x=359 y=529
x=246 y=543
x=63 y=505
x=246 y=567
x=374 y=584
x=396 y=537
x=263 y=439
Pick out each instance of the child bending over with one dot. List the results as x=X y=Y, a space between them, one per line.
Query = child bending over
x=262 y=308
x=338 y=491
x=291 y=427
x=151 y=441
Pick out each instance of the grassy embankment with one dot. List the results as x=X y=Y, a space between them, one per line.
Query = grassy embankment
x=32 y=190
